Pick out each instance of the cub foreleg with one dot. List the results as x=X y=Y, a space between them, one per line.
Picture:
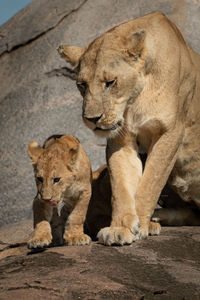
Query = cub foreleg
x=74 y=234
x=42 y=230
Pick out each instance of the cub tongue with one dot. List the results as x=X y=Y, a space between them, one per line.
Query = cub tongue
x=53 y=202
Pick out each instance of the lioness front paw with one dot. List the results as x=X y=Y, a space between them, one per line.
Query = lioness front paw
x=40 y=241
x=76 y=239
x=116 y=235
x=146 y=229
x=154 y=228
x=144 y=232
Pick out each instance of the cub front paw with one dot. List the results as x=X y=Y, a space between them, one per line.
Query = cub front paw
x=76 y=239
x=40 y=241
x=116 y=236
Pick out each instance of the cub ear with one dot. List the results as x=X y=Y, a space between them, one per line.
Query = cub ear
x=136 y=42
x=34 y=151
x=51 y=140
x=72 y=144
x=71 y=54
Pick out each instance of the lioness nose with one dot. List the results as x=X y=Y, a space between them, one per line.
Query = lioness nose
x=93 y=120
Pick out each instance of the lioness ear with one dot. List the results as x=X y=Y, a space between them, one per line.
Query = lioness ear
x=34 y=151
x=71 y=54
x=136 y=42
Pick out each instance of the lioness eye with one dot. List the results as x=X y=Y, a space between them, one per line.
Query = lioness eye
x=39 y=179
x=109 y=83
x=56 y=179
x=82 y=86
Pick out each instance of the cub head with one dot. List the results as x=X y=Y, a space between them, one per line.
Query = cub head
x=110 y=77
x=53 y=167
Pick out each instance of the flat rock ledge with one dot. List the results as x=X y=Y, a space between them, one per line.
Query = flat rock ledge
x=163 y=267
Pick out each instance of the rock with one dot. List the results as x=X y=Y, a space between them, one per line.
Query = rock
x=38 y=96
x=163 y=267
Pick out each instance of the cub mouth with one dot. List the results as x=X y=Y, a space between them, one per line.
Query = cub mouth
x=51 y=202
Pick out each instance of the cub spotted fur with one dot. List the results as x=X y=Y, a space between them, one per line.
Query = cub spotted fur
x=140 y=84
x=63 y=178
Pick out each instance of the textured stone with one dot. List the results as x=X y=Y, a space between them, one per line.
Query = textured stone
x=38 y=96
x=163 y=267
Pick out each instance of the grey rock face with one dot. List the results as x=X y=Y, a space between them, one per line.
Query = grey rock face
x=38 y=96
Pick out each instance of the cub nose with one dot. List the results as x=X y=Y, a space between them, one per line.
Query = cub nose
x=93 y=120
x=46 y=199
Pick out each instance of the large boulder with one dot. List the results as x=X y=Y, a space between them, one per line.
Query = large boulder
x=38 y=96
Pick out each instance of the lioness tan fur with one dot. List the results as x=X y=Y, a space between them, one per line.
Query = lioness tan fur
x=100 y=211
x=63 y=178
x=140 y=84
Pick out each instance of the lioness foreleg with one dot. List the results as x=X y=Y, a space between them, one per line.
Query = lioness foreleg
x=74 y=234
x=125 y=172
x=158 y=167
x=42 y=230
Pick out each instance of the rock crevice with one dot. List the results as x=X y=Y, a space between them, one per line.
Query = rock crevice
x=65 y=71
x=10 y=48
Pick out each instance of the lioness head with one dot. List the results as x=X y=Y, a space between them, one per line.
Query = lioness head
x=53 y=167
x=110 y=77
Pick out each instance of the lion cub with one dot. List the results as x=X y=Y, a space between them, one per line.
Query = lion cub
x=63 y=178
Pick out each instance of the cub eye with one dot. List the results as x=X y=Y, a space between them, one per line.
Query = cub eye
x=82 y=86
x=56 y=179
x=39 y=179
x=109 y=83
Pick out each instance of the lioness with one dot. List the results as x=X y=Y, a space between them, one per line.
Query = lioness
x=140 y=84
x=63 y=178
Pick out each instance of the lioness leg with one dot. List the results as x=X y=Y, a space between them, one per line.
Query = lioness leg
x=42 y=230
x=74 y=234
x=158 y=167
x=125 y=171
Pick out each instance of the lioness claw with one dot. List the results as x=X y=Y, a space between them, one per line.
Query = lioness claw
x=116 y=236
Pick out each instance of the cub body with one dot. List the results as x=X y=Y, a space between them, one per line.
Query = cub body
x=63 y=178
